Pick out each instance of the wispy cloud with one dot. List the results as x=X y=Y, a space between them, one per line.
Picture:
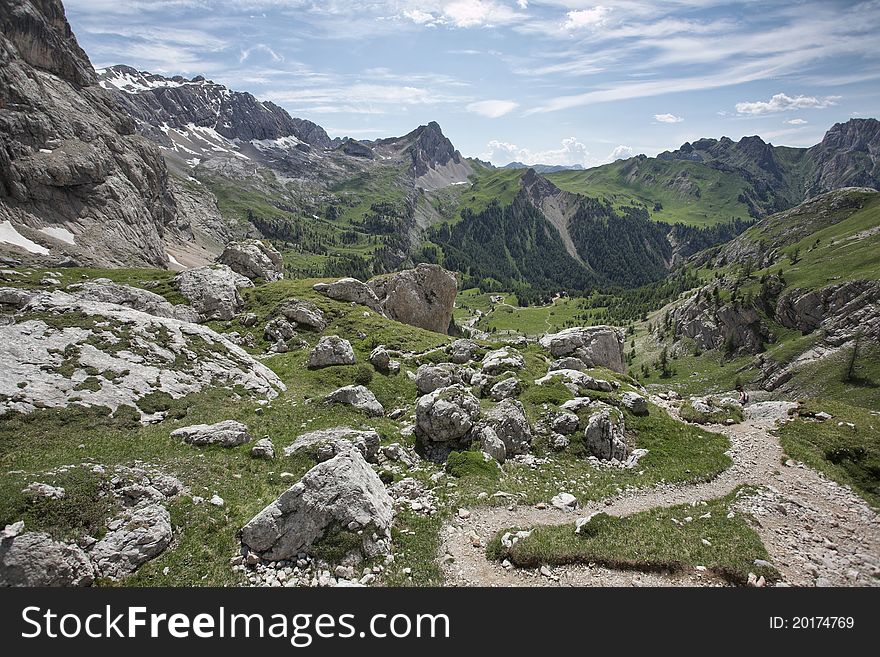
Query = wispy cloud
x=796 y=122
x=668 y=118
x=492 y=109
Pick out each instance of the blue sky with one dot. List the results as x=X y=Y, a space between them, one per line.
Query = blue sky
x=554 y=82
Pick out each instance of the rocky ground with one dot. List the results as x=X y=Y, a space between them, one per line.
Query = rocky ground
x=817 y=532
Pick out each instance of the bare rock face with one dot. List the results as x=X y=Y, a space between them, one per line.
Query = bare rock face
x=105 y=290
x=143 y=534
x=351 y=290
x=227 y=433
x=733 y=326
x=160 y=355
x=843 y=310
x=327 y=443
x=213 y=290
x=35 y=559
x=445 y=419
x=254 y=259
x=359 y=398
x=594 y=346
x=604 y=435
x=422 y=297
x=340 y=495
x=331 y=350
x=75 y=179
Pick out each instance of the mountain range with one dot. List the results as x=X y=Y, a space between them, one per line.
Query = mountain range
x=163 y=171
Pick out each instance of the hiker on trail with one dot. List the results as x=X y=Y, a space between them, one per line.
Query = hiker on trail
x=743 y=396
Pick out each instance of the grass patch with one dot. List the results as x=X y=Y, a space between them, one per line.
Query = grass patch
x=649 y=541
x=848 y=455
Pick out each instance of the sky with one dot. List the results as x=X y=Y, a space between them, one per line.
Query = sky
x=542 y=82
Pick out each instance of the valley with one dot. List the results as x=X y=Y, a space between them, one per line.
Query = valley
x=237 y=351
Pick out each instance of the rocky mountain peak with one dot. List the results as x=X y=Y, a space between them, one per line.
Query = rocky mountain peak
x=159 y=103
x=41 y=35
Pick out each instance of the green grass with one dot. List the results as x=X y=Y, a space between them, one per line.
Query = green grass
x=848 y=455
x=721 y=414
x=649 y=541
x=676 y=453
x=648 y=182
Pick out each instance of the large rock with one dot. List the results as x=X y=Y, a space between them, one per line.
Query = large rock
x=509 y=387
x=462 y=351
x=508 y=420
x=501 y=360
x=359 y=398
x=351 y=290
x=144 y=533
x=44 y=363
x=422 y=297
x=35 y=559
x=213 y=290
x=595 y=346
x=491 y=444
x=324 y=444
x=634 y=402
x=331 y=350
x=227 y=433
x=263 y=449
x=106 y=291
x=433 y=377
x=340 y=495
x=604 y=435
x=304 y=313
x=445 y=419
x=254 y=259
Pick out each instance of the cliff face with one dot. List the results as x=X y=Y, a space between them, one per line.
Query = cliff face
x=848 y=156
x=76 y=182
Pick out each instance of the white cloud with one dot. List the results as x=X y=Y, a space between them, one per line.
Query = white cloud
x=581 y=18
x=797 y=122
x=621 y=153
x=420 y=17
x=492 y=108
x=570 y=152
x=783 y=103
x=522 y=4
x=260 y=47
x=360 y=98
x=668 y=118
x=473 y=13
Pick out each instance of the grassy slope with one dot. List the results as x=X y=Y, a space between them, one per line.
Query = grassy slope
x=32 y=445
x=654 y=183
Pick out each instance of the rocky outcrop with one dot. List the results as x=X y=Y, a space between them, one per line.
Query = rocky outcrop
x=847 y=156
x=254 y=259
x=213 y=291
x=36 y=559
x=141 y=534
x=75 y=179
x=331 y=350
x=604 y=436
x=342 y=495
x=634 y=403
x=508 y=420
x=445 y=419
x=432 y=377
x=106 y=291
x=501 y=360
x=732 y=326
x=304 y=314
x=842 y=311
x=594 y=346
x=422 y=297
x=227 y=433
x=462 y=351
x=351 y=290
x=48 y=361
x=326 y=443
x=358 y=397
